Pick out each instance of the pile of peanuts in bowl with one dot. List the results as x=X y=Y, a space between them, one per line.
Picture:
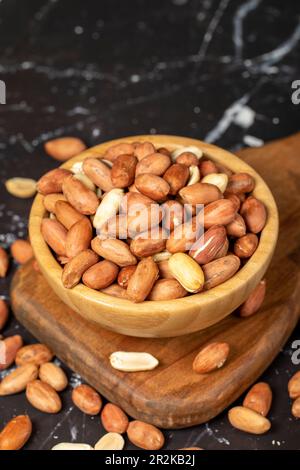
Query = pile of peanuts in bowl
x=145 y=223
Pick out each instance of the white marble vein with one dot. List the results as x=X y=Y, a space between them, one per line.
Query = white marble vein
x=238 y=21
x=265 y=61
x=226 y=120
x=212 y=26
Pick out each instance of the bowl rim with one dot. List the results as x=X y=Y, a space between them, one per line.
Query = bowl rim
x=252 y=268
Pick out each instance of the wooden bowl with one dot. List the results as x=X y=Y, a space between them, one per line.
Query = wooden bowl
x=162 y=318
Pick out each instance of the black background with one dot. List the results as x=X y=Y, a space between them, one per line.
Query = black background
x=105 y=69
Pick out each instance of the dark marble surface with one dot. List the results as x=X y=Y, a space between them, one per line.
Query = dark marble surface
x=219 y=70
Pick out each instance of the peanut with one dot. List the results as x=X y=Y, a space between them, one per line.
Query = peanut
x=75 y=268
x=254 y=301
x=43 y=397
x=176 y=176
x=245 y=246
x=123 y=171
x=55 y=235
x=35 y=354
x=254 y=213
x=64 y=148
x=142 y=280
x=52 y=181
x=155 y=164
x=187 y=272
x=66 y=214
x=16 y=433
x=87 y=399
x=21 y=187
x=4 y=262
x=145 y=435
x=79 y=237
x=211 y=357
x=248 y=420
x=259 y=398
x=100 y=275
x=4 y=313
x=220 y=270
x=114 y=419
x=79 y=196
x=152 y=186
x=167 y=289
x=116 y=251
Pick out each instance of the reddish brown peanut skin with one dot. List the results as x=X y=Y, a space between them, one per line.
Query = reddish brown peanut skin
x=87 y=399
x=296 y=408
x=64 y=148
x=152 y=186
x=208 y=245
x=101 y=275
x=248 y=420
x=245 y=246
x=79 y=237
x=173 y=214
x=254 y=301
x=220 y=212
x=12 y=344
x=123 y=171
x=164 y=270
x=79 y=196
x=143 y=245
x=113 y=152
x=16 y=433
x=220 y=270
x=188 y=159
x=116 y=251
x=36 y=354
x=294 y=385
x=236 y=228
x=124 y=275
x=207 y=167
x=155 y=164
x=176 y=176
x=4 y=262
x=164 y=151
x=75 y=268
x=50 y=200
x=200 y=193
x=144 y=219
x=223 y=250
x=254 y=213
x=21 y=251
x=167 y=289
x=4 y=313
x=66 y=214
x=99 y=173
x=240 y=183
x=55 y=235
x=142 y=280
x=183 y=237
x=132 y=202
x=43 y=397
x=114 y=419
x=142 y=149
x=211 y=357
x=117 y=291
x=235 y=200
x=52 y=181
x=259 y=398
x=145 y=435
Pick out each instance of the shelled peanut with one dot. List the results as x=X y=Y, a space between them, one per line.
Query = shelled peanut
x=144 y=223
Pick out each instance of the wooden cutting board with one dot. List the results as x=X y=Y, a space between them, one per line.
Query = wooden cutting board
x=172 y=396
